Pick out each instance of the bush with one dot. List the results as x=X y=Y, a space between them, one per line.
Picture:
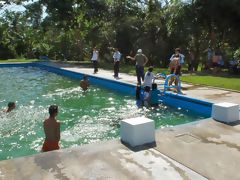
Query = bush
x=237 y=54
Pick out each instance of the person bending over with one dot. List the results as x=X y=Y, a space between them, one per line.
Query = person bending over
x=52 y=130
x=149 y=77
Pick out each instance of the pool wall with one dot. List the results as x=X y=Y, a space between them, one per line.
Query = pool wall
x=180 y=101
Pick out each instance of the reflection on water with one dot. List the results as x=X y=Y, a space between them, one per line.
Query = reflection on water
x=85 y=117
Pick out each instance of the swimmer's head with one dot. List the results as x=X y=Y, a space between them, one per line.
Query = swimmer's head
x=11 y=106
x=53 y=110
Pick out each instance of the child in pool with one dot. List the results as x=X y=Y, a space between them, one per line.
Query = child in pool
x=84 y=84
x=11 y=106
x=139 y=96
x=154 y=95
x=146 y=96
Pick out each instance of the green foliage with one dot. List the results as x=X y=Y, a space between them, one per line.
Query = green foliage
x=237 y=54
x=72 y=27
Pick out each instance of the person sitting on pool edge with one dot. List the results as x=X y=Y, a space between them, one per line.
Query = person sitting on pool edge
x=11 y=106
x=84 y=84
x=52 y=130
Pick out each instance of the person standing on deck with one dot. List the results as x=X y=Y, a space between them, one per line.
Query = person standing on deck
x=95 y=59
x=181 y=59
x=178 y=65
x=208 y=62
x=191 y=63
x=141 y=61
x=116 y=61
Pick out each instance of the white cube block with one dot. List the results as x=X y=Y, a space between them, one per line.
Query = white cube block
x=225 y=112
x=137 y=131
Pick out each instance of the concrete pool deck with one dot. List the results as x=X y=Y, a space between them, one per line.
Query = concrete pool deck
x=106 y=160
x=201 y=150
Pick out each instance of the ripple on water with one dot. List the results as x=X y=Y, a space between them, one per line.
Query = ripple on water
x=86 y=117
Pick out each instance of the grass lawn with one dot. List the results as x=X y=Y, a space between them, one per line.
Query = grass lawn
x=227 y=82
x=18 y=60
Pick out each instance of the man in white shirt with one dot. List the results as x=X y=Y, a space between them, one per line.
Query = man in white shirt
x=149 y=77
x=116 y=59
x=94 y=59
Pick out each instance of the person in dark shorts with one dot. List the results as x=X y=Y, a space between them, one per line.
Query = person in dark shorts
x=141 y=60
x=116 y=61
x=95 y=59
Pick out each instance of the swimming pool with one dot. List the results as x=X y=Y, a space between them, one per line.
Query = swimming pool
x=86 y=117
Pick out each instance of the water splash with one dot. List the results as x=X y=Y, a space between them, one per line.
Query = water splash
x=85 y=117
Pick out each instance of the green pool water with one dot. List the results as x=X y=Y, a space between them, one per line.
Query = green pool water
x=86 y=117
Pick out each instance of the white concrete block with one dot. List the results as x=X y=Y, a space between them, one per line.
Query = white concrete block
x=225 y=112
x=137 y=131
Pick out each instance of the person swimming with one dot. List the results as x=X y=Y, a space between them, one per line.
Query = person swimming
x=84 y=84
x=52 y=130
x=11 y=106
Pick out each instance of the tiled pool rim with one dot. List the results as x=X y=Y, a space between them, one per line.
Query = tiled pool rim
x=171 y=99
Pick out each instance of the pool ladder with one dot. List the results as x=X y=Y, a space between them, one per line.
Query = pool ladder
x=166 y=85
